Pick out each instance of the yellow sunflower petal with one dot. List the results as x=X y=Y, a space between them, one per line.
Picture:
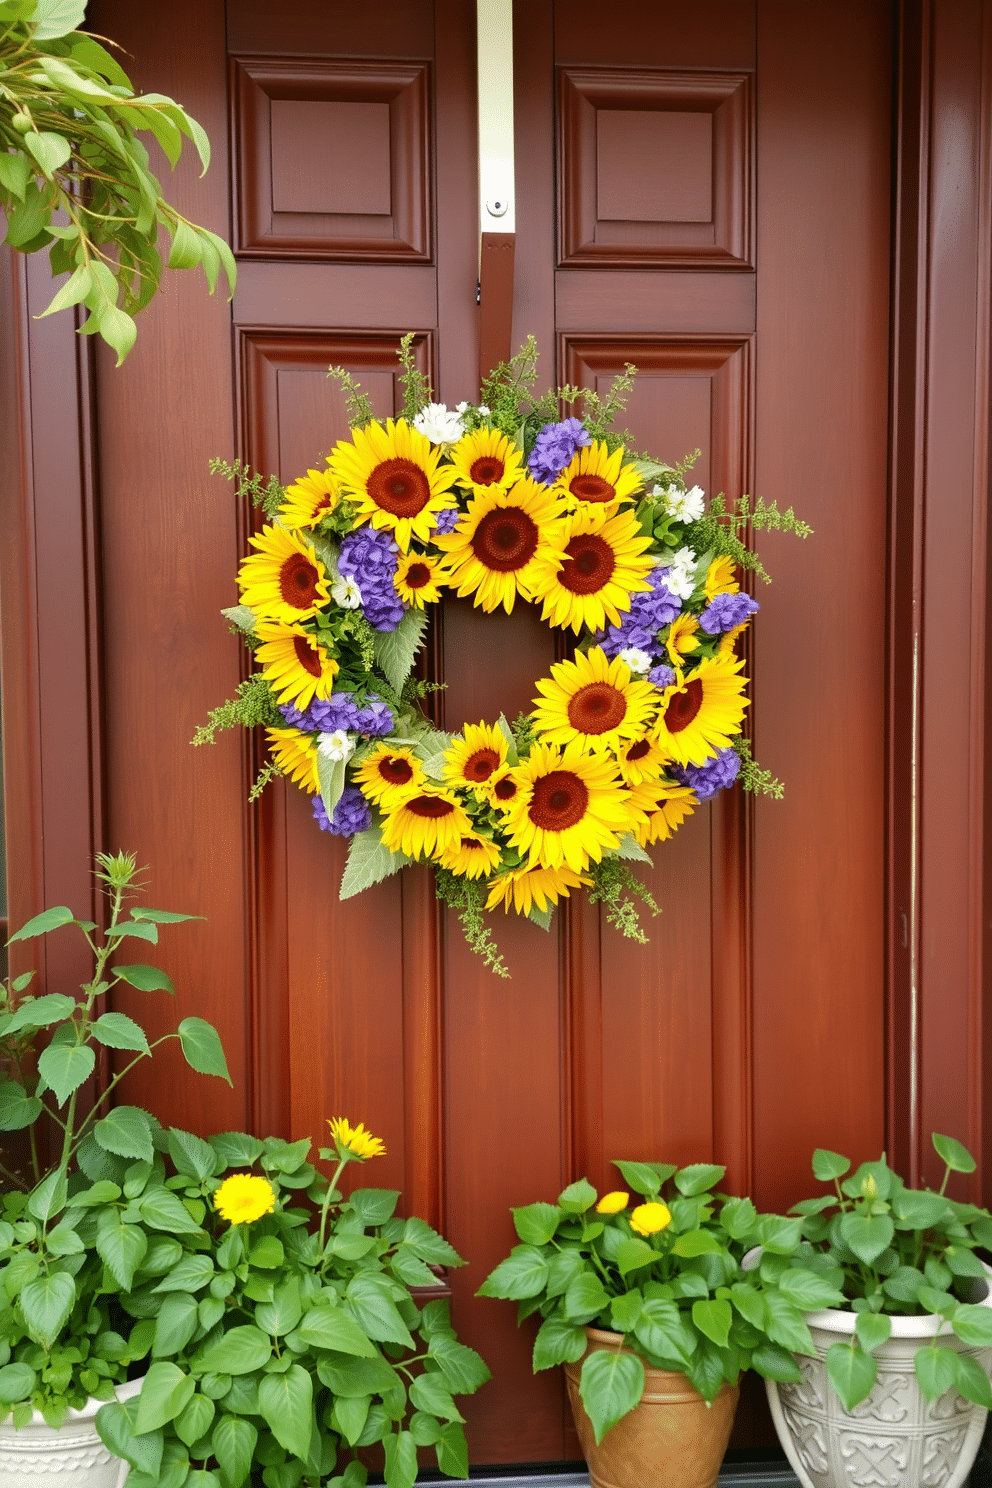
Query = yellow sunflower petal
x=473 y=856
x=720 y=578
x=309 y=499
x=244 y=1197
x=284 y=580
x=681 y=638
x=425 y=822
x=355 y=1139
x=596 y=477
x=393 y=476
x=640 y=761
x=296 y=757
x=571 y=807
x=665 y=806
x=701 y=713
x=388 y=773
x=606 y=561
x=298 y=666
x=526 y=888
x=486 y=457
x=593 y=701
x=497 y=546
x=418 y=579
x=475 y=760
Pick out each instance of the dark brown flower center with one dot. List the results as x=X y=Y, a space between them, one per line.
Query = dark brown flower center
x=298 y=582
x=591 y=488
x=395 y=769
x=399 y=487
x=471 y=844
x=487 y=470
x=684 y=706
x=505 y=789
x=597 y=708
x=589 y=565
x=417 y=575
x=505 y=539
x=430 y=806
x=322 y=505
x=481 y=764
x=559 y=801
x=308 y=658
x=638 y=749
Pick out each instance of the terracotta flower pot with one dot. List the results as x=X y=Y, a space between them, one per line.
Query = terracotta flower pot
x=671 y=1439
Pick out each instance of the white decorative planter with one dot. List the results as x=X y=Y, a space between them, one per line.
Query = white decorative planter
x=67 y=1456
x=896 y=1437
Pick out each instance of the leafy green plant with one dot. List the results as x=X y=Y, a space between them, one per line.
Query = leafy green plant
x=891 y=1250
x=665 y=1274
x=75 y=176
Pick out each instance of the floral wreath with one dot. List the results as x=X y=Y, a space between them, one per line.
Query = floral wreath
x=507 y=502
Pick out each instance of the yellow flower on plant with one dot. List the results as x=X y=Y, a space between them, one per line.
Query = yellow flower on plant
x=665 y=805
x=593 y=701
x=720 y=578
x=284 y=580
x=395 y=479
x=612 y=1203
x=595 y=476
x=355 y=1140
x=418 y=579
x=309 y=499
x=486 y=457
x=524 y=888
x=299 y=666
x=640 y=761
x=700 y=714
x=728 y=641
x=648 y=1219
x=501 y=541
x=682 y=638
x=243 y=1197
x=296 y=757
x=504 y=787
x=605 y=562
x=387 y=774
x=473 y=856
x=571 y=807
x=428 y=822
x=475 y=759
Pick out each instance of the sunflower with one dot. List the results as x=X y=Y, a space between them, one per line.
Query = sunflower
x=640 y=761
x=284 y=580
x=504 y=788
x=476 y=758
x=720 y=578
x=473 y=856
x=484 y=458
x=728 y=640
x=394 y=477
x=308 y=500
x=682 y=638
x=426 y=822
x=295 y=662
x=418 y=579
x=526 y=887
x=700 y=714
x=571 y=806
x=389 y=773
x=355 y=1141
x=296 y=757
x=595 y=476
x=501 y=540
x=243 y=1197
x=664 y=806
x=593 y=701
x=605 y=562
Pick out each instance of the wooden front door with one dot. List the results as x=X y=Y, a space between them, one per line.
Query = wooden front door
x=704 y=191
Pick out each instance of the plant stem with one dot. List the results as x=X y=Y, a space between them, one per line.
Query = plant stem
x=325 y=1206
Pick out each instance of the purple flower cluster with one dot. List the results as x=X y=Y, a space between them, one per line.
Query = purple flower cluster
x=341 y=711
x=706 y=779
x=554 y=447
x=648 y=613
x=661 y=676
x=352 y=813
x=369 y=557
x=446 y=521
x=726 y=612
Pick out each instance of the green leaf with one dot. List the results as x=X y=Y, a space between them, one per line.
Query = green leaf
x=45 y=1305
x=121 y=1247
x=282 y=1314
x=115 y=1425
x=118 y=1031
x=241 y=616
x=330 y=1328
x=786 y=1324
x=192 y=1273
x=937 y=1301
x=611 y=1384
x=163 y=1211
x=585 y=1298
x=165 y=1392
x=775 y=1363
x=369 y=862
x=226 y=257
x=135 y=928
x=191 y=1155
x=49 y=919
x=698 y=1178
x=829 y=1165
x=15 y=173
x=55 y=18
x=145 y=978
x=957 y=1157
x=809 y=1290
x=632 y=1254
x=536 y=1223
x=177 y=1321
x=120 y=333
x=713 y=1318
x=286 y=1403
x=233 y=1443
x=643 y=1178
x=866 y=1235
x=41 y=1012
x=935 y=1368
x=460 y=1365
x=375 y=1205
x=632 y=851
x=351 y=1413
x=185 y=252
x=541 y=917
x=76 y=288
x=267 y=1252
x=778 y=1235
x=237 y=1149
x=48 y=1199
x=904 y=1284
x=852 y=1373
x=973 y=1325
x=395 y=650
x=400 y=1447
x=162 y=916
x=695 y=1243
x=738 y=1217
x=127 y=1131
x=428 y=1392
x=203 y=1049
x=17 y=1108
x=971 y=1381
x=17 y=1382
x=370 y=1301
x=50 y=150
x=331 y=774
x=425 y=1430
x=452 y=1451
x=428 y=1244
x=195 y=1420
x=64 y=1067
x=558 y=1342
x=101 y=1193
x=916 y=1210
x=577 y=1197
x=240 y=1350
x=522 y=1274
x=873 y=1329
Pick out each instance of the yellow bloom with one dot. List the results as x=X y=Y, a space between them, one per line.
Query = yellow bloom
x=570 y=808
x=417 y=579
x=296 y=757
x=243 y=1197
x=355 y=1139
x=700 y=714
x=593 y=701
x=665 y=806
x=595 y=476
x=299 y=666
x=474 y=760
x=484 y=458
x=682 y=638
x=612 y=1203
x=474 y=856
x=720 y=578
x=728 y=642
x=524 y=887
x=284 y=580
x=648 y=1219
x=310 y=499
x=386 y=775
x=504 y=787
x=604 y=563
x=495 y=550
x=640 y=761
x=425 y=822
x=394 y=478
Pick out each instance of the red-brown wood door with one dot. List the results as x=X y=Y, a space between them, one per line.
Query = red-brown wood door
x=705 y=191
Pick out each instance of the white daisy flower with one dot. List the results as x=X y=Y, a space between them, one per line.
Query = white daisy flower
x=346 y=593
x=336 y=746
x=639 y=661
x=440 y=426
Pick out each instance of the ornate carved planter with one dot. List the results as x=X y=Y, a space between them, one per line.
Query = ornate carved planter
x=894 y=1438
x=67 y=1456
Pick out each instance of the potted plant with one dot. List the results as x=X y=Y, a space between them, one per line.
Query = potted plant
x=647 y=1306
x=896 y=1389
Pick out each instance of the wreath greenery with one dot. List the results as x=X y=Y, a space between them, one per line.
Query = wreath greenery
x=507 y=502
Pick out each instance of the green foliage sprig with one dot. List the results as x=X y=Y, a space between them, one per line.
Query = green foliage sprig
x=416 y=388
x=356 y=400
x=250 y=485
x=254 y=703
x=75 y=176
x=468 y=899
x=752 y=777
x=616 y=886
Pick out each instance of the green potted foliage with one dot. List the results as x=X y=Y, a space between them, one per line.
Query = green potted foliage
x=898 y=1378
x=647 y=1306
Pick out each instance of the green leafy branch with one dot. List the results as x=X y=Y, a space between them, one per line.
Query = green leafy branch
x=416 y=388
x=615 y=885
x=75 y=177
x=254 y=703
x=268 y=494
x=752 y=778
x=467 y=898
x=356 y=400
